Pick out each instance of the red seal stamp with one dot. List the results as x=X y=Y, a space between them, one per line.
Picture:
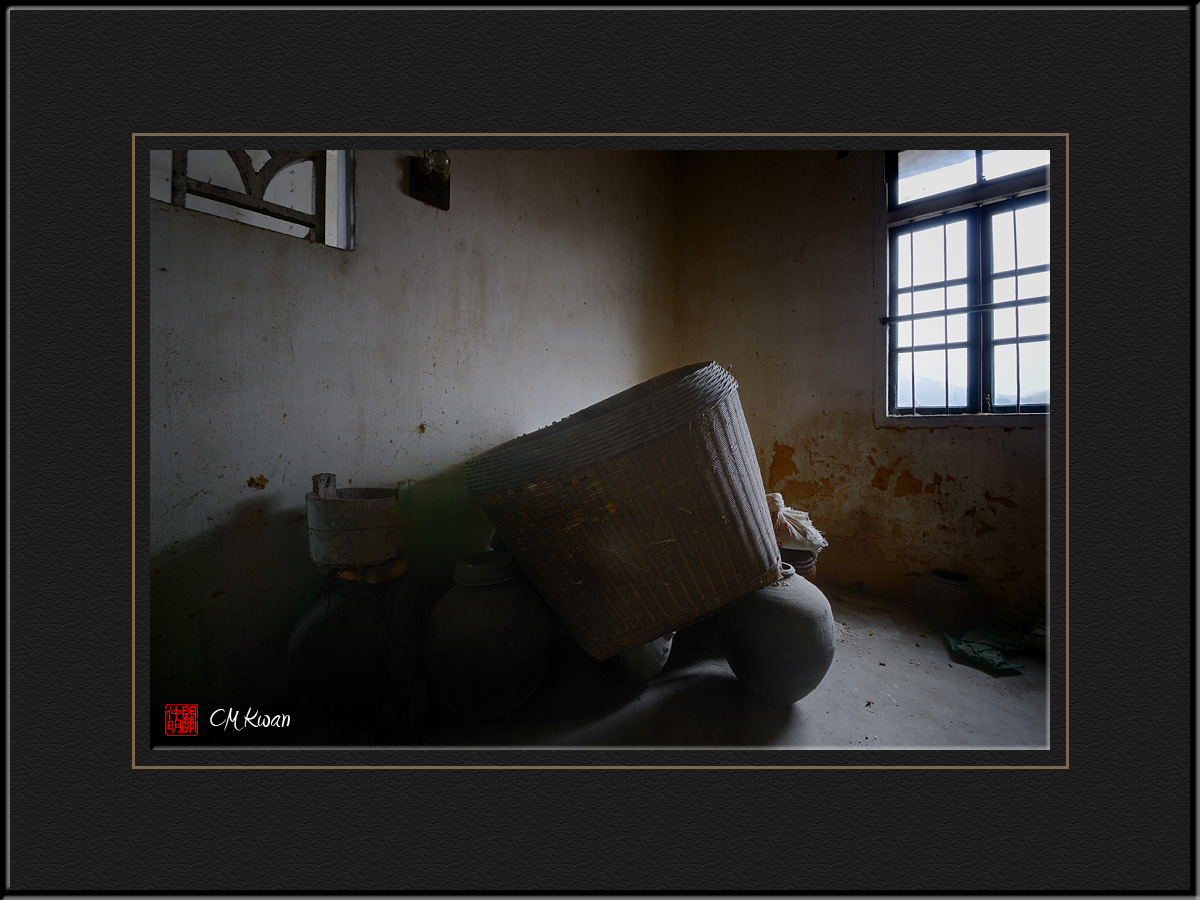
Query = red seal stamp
x=182 y=720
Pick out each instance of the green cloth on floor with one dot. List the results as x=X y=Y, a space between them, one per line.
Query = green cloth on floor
x=988 y=645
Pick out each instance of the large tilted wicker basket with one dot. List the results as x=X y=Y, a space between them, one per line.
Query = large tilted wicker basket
x=637 y=515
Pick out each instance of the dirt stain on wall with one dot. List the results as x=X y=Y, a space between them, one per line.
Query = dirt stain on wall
x=906 y=484
x=803 y=492
x=883 y=477
x=783 y=465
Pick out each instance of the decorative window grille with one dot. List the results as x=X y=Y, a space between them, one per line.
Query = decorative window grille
x=305 y=193
x=968 y=319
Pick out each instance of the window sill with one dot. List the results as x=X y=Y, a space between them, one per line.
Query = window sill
x=990 y=420
x=993 y=420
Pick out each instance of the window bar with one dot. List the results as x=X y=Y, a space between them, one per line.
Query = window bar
x=320 y=163
x=912 y=344
x=945 y=323
x=179 y=177
x=981 y=295
x=893 y=328
x=1017 y=311
x=965 y=311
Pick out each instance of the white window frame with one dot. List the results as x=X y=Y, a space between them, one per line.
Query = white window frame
x=265 y=181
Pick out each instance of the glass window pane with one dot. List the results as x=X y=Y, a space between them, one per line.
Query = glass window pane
x=929 y=255
x=1004 y=324
x=1035 y=372
x=904 y=270
x=956 y=297
x=931 y=378
x=903 y=304
x=904 y=334
x=930 y=331
x=1002 y=243
x=1004 y=375
x=956 y=249
x=904 y=380
x=958 y=377
x=1005 y=162
x=215 y=167
x=292 y=187
x=1033 y=235
x=928 y=301
x=956 y=329
x=922 y=173
x=903 y=267
x=1035 y=319
x=1035 y=285
x=1004 y=289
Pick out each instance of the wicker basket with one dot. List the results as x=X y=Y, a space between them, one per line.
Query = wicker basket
x=638 y=515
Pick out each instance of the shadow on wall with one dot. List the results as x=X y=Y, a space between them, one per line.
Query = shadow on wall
x=222 y=605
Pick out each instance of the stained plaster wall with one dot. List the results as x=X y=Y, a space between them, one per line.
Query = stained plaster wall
x=782 y=278
x=547 y=286
x=555 y=280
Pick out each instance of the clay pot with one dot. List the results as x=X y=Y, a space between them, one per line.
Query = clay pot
x=949 y=601
x=803 y=561
x=352 y=650
x=639 y=665
x=779 y=640
x=487 y=642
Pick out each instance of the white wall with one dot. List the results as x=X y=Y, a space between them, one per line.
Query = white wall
x=547 y=286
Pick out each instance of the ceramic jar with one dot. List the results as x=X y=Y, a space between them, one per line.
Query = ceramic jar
x=779 y=640
x=353 y=650
x=639 y=665
x=949 y=601
x=487 y=641
x=803 y=561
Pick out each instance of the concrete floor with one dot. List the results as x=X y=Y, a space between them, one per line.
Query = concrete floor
x=894 y=684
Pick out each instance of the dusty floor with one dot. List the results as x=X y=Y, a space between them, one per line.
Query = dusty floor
x=894 y=684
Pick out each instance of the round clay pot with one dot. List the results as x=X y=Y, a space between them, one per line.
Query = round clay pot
x=639 y=665
x=949 y=601
x=355 y=647
x=487 y=642
x=803 y=561
x=779 y=640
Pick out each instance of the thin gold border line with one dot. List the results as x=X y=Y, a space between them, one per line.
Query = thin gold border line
x=1067 y=450
x=1066 y=136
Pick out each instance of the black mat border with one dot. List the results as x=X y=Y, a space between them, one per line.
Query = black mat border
x=1118 y=81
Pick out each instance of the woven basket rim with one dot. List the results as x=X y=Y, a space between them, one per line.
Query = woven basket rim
x=602 y=431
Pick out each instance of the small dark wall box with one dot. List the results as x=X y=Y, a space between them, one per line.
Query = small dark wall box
x=427 y=186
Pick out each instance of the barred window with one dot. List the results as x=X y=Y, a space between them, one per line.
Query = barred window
x=305 y=193
x=968 y=324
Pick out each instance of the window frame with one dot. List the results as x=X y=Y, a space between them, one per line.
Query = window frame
x=974 y=204
x=331 y=222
